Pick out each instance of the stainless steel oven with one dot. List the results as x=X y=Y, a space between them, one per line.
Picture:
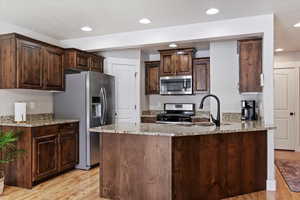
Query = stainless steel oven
x=176 y=85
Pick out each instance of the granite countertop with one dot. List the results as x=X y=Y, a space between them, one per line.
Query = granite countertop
x=37 y=123
x=180 y=130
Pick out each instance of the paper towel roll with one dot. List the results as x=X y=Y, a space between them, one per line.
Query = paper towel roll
x=20 y=112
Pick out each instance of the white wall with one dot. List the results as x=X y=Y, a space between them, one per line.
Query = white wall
x=38 y=101
x=287 y=59
x=144 y=97
x=126 y=53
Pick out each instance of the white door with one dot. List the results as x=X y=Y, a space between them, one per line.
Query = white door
x=285 y=107
x=124 y=71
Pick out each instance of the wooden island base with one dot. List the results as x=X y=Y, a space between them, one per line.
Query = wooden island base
x=201 y=167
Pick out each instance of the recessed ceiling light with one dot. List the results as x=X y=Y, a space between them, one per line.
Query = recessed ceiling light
x=145 y=21
x=279 y=50
x=173 y=45
x=86 y=28
x=212 y=11
x=297 y=25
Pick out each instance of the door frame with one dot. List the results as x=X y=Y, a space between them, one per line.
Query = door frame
x=297 y=118
x=108 y=69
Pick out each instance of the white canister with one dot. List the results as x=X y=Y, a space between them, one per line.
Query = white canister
x=20 y=112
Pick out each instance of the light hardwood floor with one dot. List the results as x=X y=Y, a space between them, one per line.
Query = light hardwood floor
x=83 y=185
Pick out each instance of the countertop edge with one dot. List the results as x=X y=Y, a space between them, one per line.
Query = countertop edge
x=39 y=123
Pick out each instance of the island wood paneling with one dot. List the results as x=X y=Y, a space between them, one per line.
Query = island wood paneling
x=135 y=167
x=203 y=167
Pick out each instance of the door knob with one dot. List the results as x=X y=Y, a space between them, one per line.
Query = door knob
x=292 y=113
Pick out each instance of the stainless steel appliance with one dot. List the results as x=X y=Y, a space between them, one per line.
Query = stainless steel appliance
x=176 y=85
x=177 y=113
x=248 y=110
x=90 y=97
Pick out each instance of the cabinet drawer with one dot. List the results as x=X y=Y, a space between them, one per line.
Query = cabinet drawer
x=45 y=130
x=68 y=127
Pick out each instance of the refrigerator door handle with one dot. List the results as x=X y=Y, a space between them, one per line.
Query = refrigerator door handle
x=105 y=106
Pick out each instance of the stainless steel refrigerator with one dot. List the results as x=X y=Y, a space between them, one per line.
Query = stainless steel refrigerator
x=90 y=97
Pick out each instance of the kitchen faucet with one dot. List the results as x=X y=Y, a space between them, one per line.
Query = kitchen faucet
x=215 y=121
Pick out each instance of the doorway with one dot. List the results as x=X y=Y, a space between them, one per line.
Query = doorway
x=286 y=108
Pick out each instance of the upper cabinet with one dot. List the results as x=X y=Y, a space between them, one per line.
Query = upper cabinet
x=29 y=64
x=201 y=74
x=82 y=61
x=53 y=68
x=176 y=62
x=96 y=63
x=152 y=77
x=250 y=61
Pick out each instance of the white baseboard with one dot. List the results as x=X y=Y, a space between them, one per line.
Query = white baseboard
x=271 y=185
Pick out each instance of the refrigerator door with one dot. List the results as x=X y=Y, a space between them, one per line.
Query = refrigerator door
x=100 y=95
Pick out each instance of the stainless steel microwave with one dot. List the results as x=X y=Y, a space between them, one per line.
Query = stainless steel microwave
x=176 y=85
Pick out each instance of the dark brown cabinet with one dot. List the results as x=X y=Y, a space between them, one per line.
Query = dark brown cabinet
x=53 y=69
x=68 y=147
x=76 y=60
x=152 y=77
x=201 y=74
x=250 y=60
x=96 y=63
x=45 y=156
x=29 y=64
x=176 y=62
x=49 y=150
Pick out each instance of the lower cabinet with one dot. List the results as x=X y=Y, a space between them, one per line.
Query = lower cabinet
x=45 y=154
x=49 y=150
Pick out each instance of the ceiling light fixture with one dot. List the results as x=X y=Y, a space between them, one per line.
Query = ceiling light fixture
x=212 y=11
x=173 y=45
x=297 y=25
x=145 y=21
x=279 y=50
x=86 y=28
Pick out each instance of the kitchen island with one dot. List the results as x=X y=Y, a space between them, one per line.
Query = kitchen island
x=161 y=162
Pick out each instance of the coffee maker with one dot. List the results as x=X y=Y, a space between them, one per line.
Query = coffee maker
x=248 y=110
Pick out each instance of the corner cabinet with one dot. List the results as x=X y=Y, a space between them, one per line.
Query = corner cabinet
x=176 y=62
x=26 y=63
x=250 y=61
x=152 y=77
x=96 y=63
x=201 y=75
x=49 y=150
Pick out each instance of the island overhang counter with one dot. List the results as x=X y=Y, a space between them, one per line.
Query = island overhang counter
x=161 y=162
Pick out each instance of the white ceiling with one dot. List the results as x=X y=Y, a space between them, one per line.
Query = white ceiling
x=62 y=19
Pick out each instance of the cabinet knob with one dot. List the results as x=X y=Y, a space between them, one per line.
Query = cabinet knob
x=292 y=113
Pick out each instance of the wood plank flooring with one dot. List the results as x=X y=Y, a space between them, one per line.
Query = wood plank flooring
x=83 y=185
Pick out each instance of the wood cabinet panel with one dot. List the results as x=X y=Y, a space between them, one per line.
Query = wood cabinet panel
x=201 y=74
x=250 y=60
x=176 y=62
x=29 y=64
x=152 y=77
x=96 y=63
x=76 y=60
x=68 y=150
x=166 y=65
x=183 y=64
x=45 y=153
x=53 y=69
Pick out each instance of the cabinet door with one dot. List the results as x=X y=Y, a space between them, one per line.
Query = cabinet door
x=53 y=69
x=250 y=55
x=201 y=74
x=183 y=64
x=29 y=64
x=82 y=61
x=68 y=149
x=45 y=156
x=152 y=78
x=96 y=63
x=166 y=65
